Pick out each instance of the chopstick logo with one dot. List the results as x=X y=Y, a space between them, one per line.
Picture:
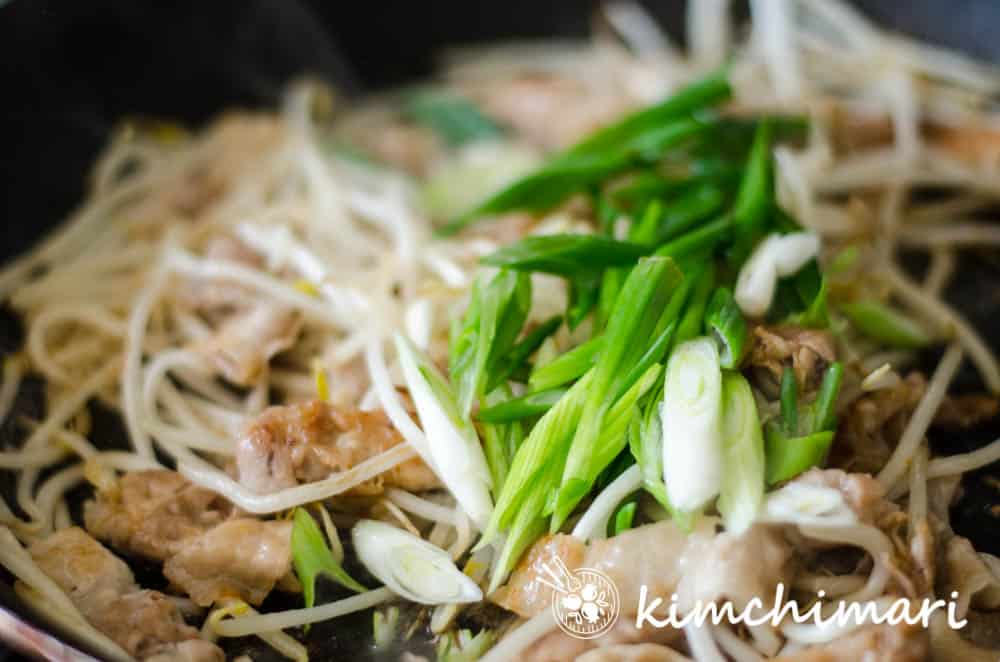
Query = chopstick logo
x=585 y=602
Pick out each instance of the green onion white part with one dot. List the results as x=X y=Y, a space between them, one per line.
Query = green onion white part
x=742 y=492
x=410 y=566
x=452 y=441
x=691 y=421
x=803 y=504
x=775 y=257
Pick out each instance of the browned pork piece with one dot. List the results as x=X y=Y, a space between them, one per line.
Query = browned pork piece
x=873 y=424
x=309 y=441
x=885 y=643
x=144 y=623
x=245 y=341
x=240 y=558
x=210 y=551
x=808 y=351
x=154 y=514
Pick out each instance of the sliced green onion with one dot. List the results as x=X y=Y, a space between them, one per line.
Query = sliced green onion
x=566 y=254
x=624 y=518
x=385 y=626
x=691 y=423
x=500 y=440
x=725 y=323
x=824 y=407
x=636 y=318
x=455 y=452
x=702 y=240
x=755 y=194
x=652 y=356
x=646 y=229
x=885 y=324
x=790 y=401
x=410 y=566
x=705 y=92
x=688 y=210
x=583 y=294
x=515 y=409
x=520 y=353
x=776 y=256
x=742 y=491
x=566 y=367
x=312 y=557
x=452 y=117
x=787 y=457
x=694 y=317
x=462 y=646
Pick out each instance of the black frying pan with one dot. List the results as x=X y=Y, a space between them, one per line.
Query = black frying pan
x=69 y=71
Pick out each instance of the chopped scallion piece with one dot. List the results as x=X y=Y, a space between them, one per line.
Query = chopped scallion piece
x=787 y=457
x=742 y=492
x=566 y=254
x=410 y=566
x=624 y=518
x=514 y=409
x=725 y=323
x=692 y=424
x=885 y=324
x=311 y=557
x=566 y=367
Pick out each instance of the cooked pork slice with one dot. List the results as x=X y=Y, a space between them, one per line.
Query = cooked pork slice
x=885 y=643
x=240 y=558
x=808 y=351
x=147 y=624
x=309 y=441
x=873 y=424
x=966 y=411
x=623 y=639
x=864 y=494
x=523 y=593
x=246 y=340
x=154 y=513
x=700 y=565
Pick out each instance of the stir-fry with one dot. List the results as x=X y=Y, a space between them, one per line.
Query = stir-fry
x=602 y=307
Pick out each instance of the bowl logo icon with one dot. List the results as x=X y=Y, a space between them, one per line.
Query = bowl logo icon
x=585 y=601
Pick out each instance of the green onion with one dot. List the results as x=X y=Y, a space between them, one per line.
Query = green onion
x=501 y=308
x=644 y=135
x=702 y=240
x=514 y=409
x=742 y=492
x=452 y=117
x=520 y=352
x=635 y=318
x=691 y=423
x=694 y=317
x=312 y=557
x=624 y=518
x=583 y=293
x=755 y=194
x=787 y=456
x=410 y=566
x=725 y=323
x=706 y=92
x=790 y=402
x=463 y=647
x=652 y=356
x=500 y=439
x=566 y=367
x=824 y=407
x=566 y=254
x=688 y=210
x=456 y=454
x=527 y=523
x=646 y=229
x=885 y=324
x=543 y=449
x=545 y=188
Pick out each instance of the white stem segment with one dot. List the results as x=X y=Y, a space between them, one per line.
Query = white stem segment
x=742 y=492
x=691 y=418
x=775 y=257
x=457 y=456
x=412 y=567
